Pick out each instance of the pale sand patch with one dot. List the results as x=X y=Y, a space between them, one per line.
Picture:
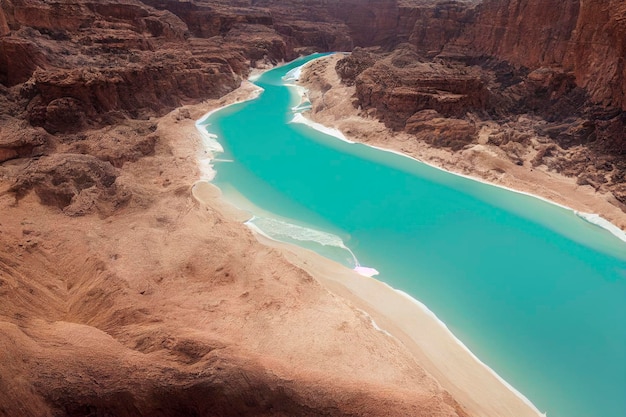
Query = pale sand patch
x=395 y=314
x=206 y=193
x=471 y=383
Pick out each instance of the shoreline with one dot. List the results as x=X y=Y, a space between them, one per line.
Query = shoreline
x=466 y=379
x=593 y=218
x=440 y=352
x=209 y=142
x=479 y=162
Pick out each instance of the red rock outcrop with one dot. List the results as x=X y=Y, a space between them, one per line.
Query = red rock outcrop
x=299 y=24
x=206 y=19
x=583 y=37
x=445 y=102
x=581 y=41
x=76 y=184
x=310 y=25
x=528 y=33
x=4 y=26
x=599 y=51
x=18 y=140
x=106 y=61
x=403 y=84
x=532 y=33
x=89 y=63
x=431 y=127
x=373 y=22
x=18 y=60
x=70 y=100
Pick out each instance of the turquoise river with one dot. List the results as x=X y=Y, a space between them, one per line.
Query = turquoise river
x=535 y=291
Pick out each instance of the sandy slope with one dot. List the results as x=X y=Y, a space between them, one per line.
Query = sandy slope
x=171 y=307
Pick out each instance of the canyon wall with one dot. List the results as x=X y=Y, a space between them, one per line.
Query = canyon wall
x=527 y=33
x=599 y=51
x=105 y=300
x=431 y=25
x=464 y=64
x=586 y=38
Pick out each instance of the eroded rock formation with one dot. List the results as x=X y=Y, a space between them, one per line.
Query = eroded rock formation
x=585 y=38
x=76 y=67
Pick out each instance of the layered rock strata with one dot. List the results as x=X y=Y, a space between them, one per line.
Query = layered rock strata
x=519 y=60
x=584 y=38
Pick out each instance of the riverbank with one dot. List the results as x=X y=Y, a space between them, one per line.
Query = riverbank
x=479 y=390
x=402 y=319
x=332 y=107
x=315 y=324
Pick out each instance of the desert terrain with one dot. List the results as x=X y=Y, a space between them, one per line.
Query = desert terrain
x=128 y=288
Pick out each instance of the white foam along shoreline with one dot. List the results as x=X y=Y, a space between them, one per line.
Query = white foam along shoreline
x=600 y=221
x=445 y=328
x=299 y=118
x=290 y=78
x=293 y=231
x=294 y=73
x=592 y=218
x=304 y=234
x=210 y=144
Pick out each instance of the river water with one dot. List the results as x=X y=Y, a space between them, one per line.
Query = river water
x=535 y=291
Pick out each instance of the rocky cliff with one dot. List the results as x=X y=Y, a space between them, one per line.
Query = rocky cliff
x=89 y=60
x=146 y=58
x=76 y=67
x=585 y=38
